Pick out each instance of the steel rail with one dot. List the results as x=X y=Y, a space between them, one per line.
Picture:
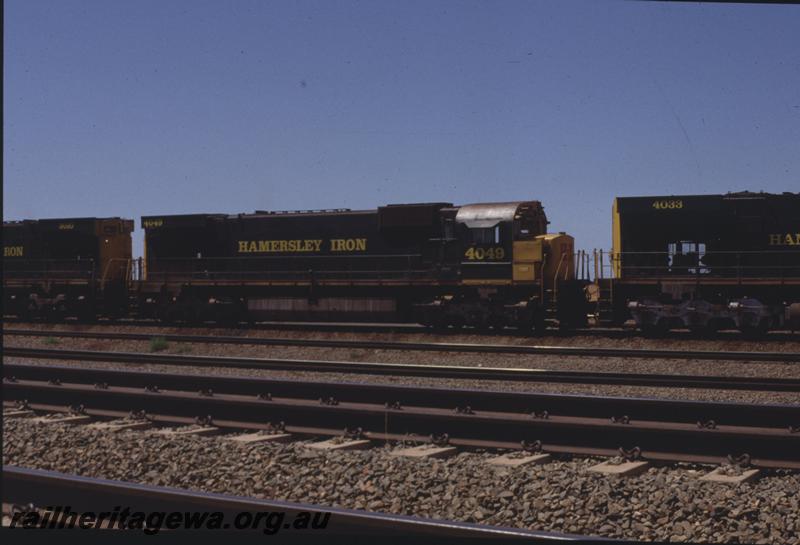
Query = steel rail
x=678 y=441
x=418 y=370
x=361 y=327
x=781 y=357
x=86 y=494
x=637 y=409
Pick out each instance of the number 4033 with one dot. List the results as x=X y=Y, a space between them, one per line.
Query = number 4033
x=667 y=205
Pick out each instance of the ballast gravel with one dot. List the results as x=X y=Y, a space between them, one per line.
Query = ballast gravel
x=664 y=503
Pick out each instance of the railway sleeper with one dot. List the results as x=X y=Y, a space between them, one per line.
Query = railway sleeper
x=625 y=463
x=571 y=432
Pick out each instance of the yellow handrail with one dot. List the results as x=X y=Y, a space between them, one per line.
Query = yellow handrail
x=555 y=277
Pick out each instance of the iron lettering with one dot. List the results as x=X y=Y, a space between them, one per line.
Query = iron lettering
x=348 y=245
x=13 y=251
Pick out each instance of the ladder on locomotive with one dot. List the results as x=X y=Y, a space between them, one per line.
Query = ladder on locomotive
x=604 y=278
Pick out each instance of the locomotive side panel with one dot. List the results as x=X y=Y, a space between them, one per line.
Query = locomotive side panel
x=707 y=262
x=292 y=265
x=177 y=247
x=348 y=246
x=66 y=267
x=288 y=247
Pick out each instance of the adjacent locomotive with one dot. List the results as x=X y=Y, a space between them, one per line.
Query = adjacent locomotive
x=705 y=262
x=67 y=267
x=479 y=265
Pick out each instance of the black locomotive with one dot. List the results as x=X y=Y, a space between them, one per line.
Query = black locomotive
x=479 y=265
x=67 y=267
x=705 y=262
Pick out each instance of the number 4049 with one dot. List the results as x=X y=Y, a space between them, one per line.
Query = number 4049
x=478 y=254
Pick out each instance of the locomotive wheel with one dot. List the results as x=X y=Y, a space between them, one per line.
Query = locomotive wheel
x=497 y=322
x=438 y=324
x=29 y=311
x=654 y=331
x=114 y=313
x=565 y=326
x=538 y=323
x=457 y=323
x=56 y=313
x=192 y=317
x=189 y=310
x=229 y=319
x=87 y=316
x=703 y=332
x=484 y=326
x=229 y=314
x=758 y=331
x=170 y=314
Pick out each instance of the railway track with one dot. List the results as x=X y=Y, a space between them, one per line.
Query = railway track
x=659 y=430
x=783 y=357
x=417 y=370
x=24 y=486
x=357 y=327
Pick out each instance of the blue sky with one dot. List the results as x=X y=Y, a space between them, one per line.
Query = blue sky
x=149 y=107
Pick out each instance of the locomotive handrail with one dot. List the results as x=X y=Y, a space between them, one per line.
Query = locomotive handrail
x=707 y=251
x=723 y=267
x=782 y=264
x=45 y=268
x=104 y=277
x=541 y=274
x=50 y=259
x=289 y=274
x=555 y=277
x=374 y=266
x=485 y=263
x=283 y=257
